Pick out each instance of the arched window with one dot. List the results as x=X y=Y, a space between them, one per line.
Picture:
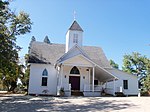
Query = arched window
x=74 y=70
x=44 y=77
x=45 y=73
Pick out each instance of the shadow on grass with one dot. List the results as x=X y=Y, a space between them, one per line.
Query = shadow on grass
x=33 y=104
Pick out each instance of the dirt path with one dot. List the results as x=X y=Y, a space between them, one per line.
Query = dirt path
x=72 y=104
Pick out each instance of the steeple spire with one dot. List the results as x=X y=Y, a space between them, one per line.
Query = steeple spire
x=74 y=36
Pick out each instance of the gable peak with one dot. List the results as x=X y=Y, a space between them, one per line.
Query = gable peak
x=75 y=26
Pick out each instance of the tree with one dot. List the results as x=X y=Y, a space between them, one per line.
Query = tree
x=146 y=80
x=11 y=26
x=136 y=64
x=32 y=40
x=146 y=84
x=113 y=64
x=25 y=77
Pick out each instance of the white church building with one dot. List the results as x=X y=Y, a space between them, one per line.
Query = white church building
x=74 y=67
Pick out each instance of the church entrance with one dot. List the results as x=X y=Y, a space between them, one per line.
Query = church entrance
x=75 y=79
x=75 y=82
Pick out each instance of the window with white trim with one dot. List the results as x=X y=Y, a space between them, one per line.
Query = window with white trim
x=125 y=84
x=75 y=38
x=44 y=77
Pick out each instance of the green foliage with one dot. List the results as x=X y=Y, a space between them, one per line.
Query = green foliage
x=146 y=85
x=146 y=80
x=113 y=64
x=135 y=64
x=11 y=26
x=138 y=65
x=25 y=77
x=32 y=40
x=61 y=91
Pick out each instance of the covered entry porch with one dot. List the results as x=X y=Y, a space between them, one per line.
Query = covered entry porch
x=90 y=80
x=98 y=82
x=79 y=73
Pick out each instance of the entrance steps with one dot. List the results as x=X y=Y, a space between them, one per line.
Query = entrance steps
x=119 y=94
x=76 y=93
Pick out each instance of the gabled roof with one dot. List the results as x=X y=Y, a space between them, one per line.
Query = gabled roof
x=101 y=73
x=75 y=26
x=50 y=53
x=76 y=50
x=118 y=73
x=81 y=56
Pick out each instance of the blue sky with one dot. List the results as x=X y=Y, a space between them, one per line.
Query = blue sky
x=118 y=26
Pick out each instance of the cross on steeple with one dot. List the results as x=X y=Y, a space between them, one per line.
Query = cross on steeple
x=74 y=15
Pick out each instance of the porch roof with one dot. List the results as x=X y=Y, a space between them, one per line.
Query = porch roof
x=103 y=75
x=100 y=73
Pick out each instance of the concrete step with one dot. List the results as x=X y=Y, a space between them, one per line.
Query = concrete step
x=76 y=93
x=119 y=94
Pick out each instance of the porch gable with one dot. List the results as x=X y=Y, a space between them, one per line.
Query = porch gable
x=78 y=60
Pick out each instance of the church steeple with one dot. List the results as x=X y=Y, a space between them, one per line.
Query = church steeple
x=74 y=36
x=75 y=26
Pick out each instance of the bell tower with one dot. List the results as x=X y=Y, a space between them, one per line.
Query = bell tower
x=74 y=36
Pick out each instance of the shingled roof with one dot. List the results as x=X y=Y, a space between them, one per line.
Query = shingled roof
x=75 y=26
x=41 y=52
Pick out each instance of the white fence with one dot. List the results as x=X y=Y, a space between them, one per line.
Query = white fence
x=67 y=89
x=119 y=89
x=96 y=87
x=109 y=91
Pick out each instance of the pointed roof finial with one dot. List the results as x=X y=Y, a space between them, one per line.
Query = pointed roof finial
x=46 y=40
x=74 y=15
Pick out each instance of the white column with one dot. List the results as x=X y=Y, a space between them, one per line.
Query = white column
x=58 y=80
x=106 y=85
x=89 y=76
x=89 y=85
x=114 y=86
x=58 y=76
x=93 y=78
x=62 y=67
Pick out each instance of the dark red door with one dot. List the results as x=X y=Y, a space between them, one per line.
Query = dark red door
x=75 y=82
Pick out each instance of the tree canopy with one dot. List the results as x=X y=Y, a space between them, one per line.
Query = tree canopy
x=113 y=64
x=139 y=65
x=135 y=64
x=11 y=26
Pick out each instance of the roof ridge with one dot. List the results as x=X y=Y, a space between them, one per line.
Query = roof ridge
x=65 y=44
